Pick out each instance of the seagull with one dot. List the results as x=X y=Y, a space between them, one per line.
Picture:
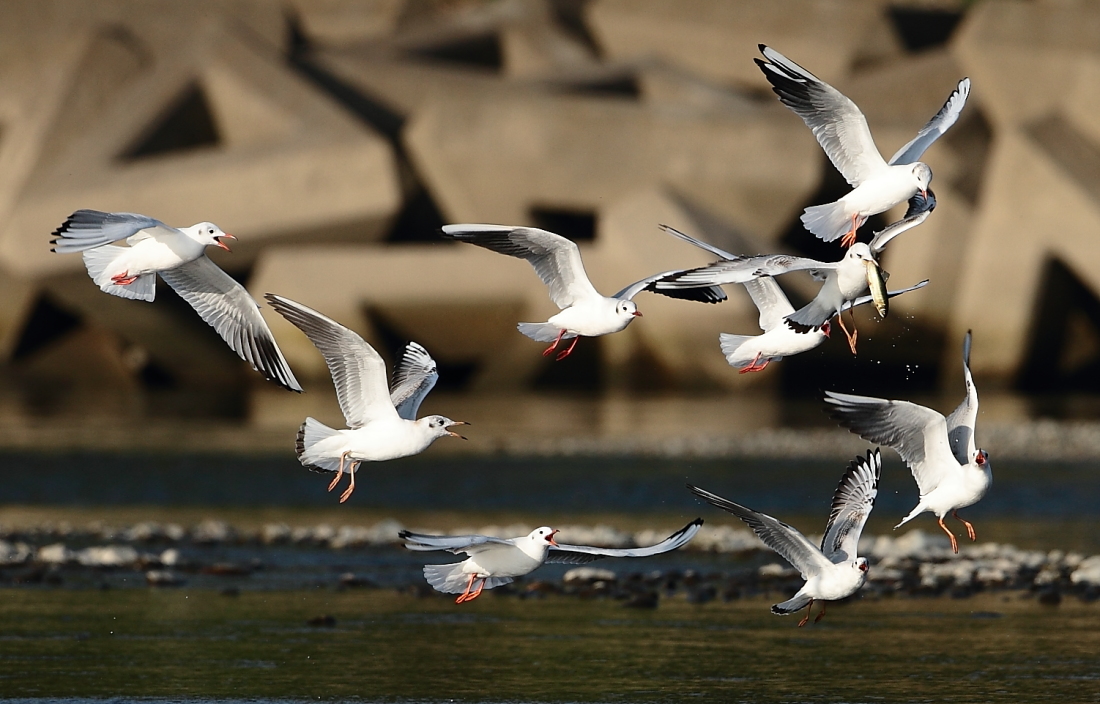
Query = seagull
x=951 y=472
x=178 y=256
x=753 y=353
x=841 y=130
x=557 y=261
x=382 y=423
x=496 y=561
x=844 y=281
x=832 y=572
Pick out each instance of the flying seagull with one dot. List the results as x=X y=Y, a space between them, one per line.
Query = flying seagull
x=382 y=423
x=178 y=255
x=951 y=471
x=496 y=561
x=841 y=130
x=834 y=571
x=557 y=260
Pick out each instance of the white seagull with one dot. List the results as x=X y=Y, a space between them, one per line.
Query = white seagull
x=557 y=260
x=178 y=256
x=951 y=472
x=832 y=572
x=752 y=353
x=496 y=561
x=842 y=131
x=382 y=424
x=844 y=281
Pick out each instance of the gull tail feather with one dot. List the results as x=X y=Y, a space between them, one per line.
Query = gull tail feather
x=98 y=261
x=912 y=514
x=829 y=221
x=450 y=579
x=542 y=332
x=790 y=606
x=312 y=432
x=731 y=346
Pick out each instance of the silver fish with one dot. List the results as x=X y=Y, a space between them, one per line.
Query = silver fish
x=877 y=283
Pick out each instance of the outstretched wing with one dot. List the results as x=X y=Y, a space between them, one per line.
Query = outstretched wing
x=229 y=309
x=791 y=545
x=840 y=127
x=852 y=503
x=698 y=243
x=863 y=300
x=88 y=229
x=414 y=377
x=939 y=124
x=916 y=433
x=740 y=270
x=452 y=543
x=556 y=260
x=702 y=294
x=358 y=371
x=770 y=301
x=580 y=554
x=961 y=422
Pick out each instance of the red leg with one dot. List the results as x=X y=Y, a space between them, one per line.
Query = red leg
x=566 y=352
x=123 y=279
x=806 y=618
x=339 y=473
x=465 y=595
x=850 y=237
x=477 y=592
x=546 y=352
x=822 y=614
x=850 y=335
x=969 y=528
x=755 y=366
x=954 y=543
x=351 y=487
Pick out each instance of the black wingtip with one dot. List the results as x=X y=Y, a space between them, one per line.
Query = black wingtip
x=761 y=47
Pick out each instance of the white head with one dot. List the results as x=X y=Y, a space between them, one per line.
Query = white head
x=543 y=537
x=627 y=310
x=860 y=563
x=437 y=426
x=860 y=250
x=923 y=176
x=208 y=234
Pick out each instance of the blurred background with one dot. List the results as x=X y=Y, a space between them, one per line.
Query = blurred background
x=335 y=137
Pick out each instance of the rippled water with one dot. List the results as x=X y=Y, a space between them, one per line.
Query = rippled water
x=385 y=646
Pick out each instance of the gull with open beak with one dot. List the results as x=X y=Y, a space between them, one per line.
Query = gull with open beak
x=585 y=312
x=382 y=423
x=178 y=255
x=496 y=561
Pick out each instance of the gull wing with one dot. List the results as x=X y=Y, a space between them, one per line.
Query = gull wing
x=916 y=433
x=698 y=243
x=414 y=377
x=88 y=229
x=791 y=545
x=840 y=127
x=742 y=269
x=962 y=421
x=358 y=371
x=883 y=236
x=852 y=503
x=863 y=300
x=935 y=128
x=452 y=543
x=770 y=301
x=580 y=554
x=232 y=312
x=702 y=294
x=556 y=260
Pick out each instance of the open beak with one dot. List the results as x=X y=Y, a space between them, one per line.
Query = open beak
x=637 y=314
x=454 y=434
x=827 y=329
x=877 y=284
x=221 y=241
x=550 y=538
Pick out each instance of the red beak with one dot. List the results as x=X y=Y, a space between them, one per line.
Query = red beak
x=827 y=329
x=924 y=193
x=550 y=538
x=637 y=314
x=222 y=244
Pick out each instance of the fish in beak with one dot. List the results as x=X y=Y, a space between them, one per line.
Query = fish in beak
x=454 y=434
x=221 y=241
x=877 y=284
x=550 y=538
